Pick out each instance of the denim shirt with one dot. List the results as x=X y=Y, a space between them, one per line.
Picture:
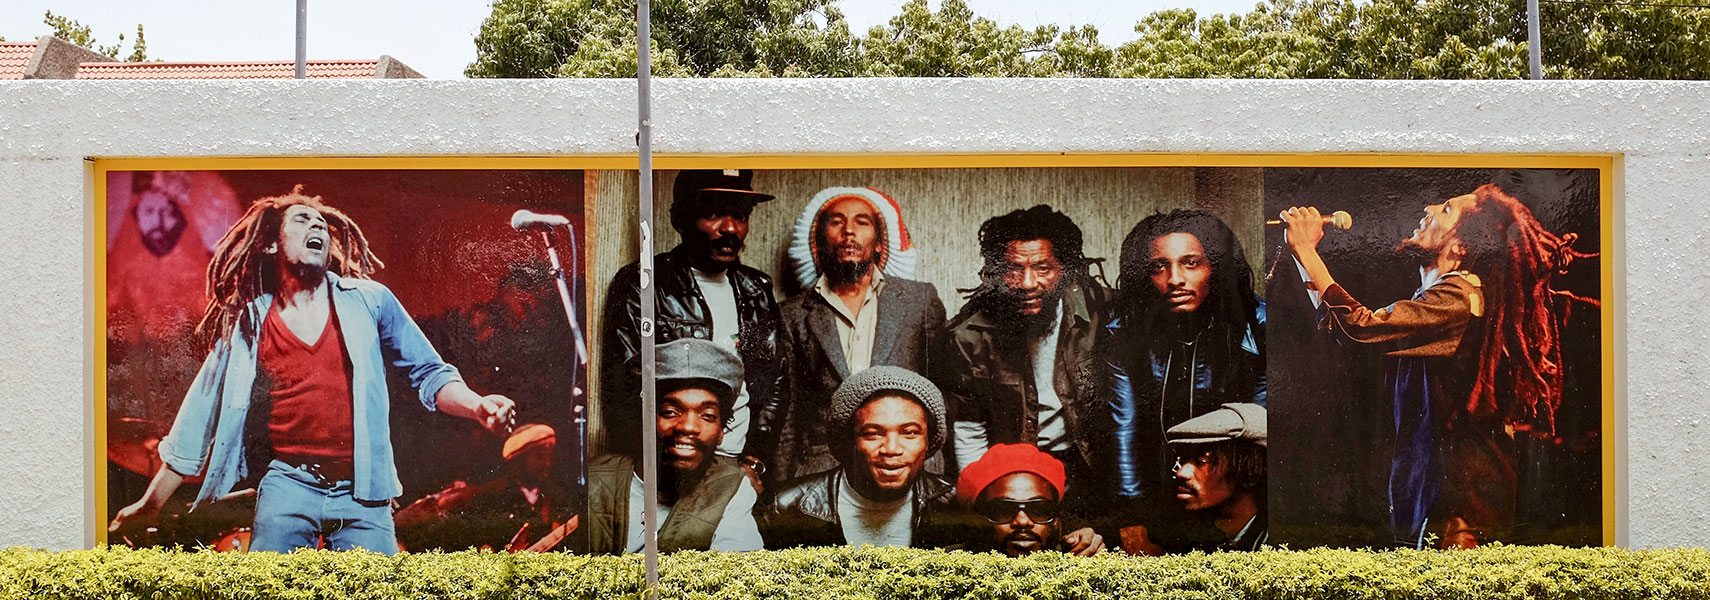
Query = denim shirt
x=209 y=429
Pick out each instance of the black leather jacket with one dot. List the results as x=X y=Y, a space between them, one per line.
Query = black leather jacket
x=682 y=313
x=805 y=513
x=1153 y=390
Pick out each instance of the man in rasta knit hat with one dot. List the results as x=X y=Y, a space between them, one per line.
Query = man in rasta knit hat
x=859 y=307
x=884 y=422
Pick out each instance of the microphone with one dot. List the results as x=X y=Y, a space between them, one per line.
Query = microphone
x=528 y=220
x=1339 y=219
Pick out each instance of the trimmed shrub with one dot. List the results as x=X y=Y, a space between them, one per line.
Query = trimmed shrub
x=865 y=573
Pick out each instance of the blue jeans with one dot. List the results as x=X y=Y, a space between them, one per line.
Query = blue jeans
x=295 y=510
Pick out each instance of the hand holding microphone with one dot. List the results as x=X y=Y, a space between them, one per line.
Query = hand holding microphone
x=1339 y=219
x=1306 y=225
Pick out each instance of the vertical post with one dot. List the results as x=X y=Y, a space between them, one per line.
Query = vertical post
x=644 y=206
x=302 y=39
x=1533 y=46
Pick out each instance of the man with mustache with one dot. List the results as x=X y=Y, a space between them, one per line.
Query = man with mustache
x=704 y=504
x=1220 y=483
x=1018 y=490
x=1187 y=336
x=294 y=389
x=702 y=291
x=1020 y=364
x=884 y=422
x=859 y=307
x=1472 y=360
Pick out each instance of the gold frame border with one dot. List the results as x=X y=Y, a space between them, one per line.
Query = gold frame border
x=1604 y=163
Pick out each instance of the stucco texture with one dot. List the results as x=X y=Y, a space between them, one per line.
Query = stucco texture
x=1659 y=131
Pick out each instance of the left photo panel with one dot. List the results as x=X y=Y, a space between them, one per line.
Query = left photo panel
x=379 y=359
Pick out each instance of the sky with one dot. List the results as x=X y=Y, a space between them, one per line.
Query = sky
x=436 y=37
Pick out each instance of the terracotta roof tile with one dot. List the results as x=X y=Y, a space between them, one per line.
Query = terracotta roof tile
x=324 y=69
x=14 y=56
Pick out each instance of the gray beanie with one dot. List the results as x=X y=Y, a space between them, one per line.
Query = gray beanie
x=861 y=387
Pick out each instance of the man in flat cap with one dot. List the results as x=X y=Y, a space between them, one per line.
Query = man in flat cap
x=1018 y=489
x=1220 y=485
x=705 y=504
x=703 y=292
x=884 y=422
x=859 y=306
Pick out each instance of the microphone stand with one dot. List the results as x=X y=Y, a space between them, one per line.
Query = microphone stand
x=578 y=415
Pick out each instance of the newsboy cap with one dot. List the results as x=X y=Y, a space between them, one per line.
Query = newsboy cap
x=1234 y=421
x=700 y=360
x=863 y=386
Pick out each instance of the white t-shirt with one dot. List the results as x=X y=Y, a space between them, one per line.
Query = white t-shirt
x=1053 y=434
x=721 y=302
x=737 y=531
x=878 y=523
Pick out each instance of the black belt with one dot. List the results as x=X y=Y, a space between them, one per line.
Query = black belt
x=327 y=474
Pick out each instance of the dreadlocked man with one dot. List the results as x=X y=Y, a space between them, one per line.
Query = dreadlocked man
x=294 y=388
x=1020 y=363
x=1473 y=357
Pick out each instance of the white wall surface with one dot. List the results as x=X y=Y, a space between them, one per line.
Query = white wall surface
x=1659 y=130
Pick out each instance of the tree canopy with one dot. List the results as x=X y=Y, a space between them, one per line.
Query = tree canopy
x=1365 y=39
x=80 y=34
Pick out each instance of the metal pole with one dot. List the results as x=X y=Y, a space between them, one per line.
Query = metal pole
x=1533 y=47
x=644 y=208
x=302 y=39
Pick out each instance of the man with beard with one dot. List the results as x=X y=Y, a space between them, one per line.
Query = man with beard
x=1018 y=489
x=859 y=308
x=298 y=329
x=1473 y=358
x=159 y=218
x=704 y=504
x=702 y=291
x=884 y=422
x=1187 y=337
x=1220 y=483
x=1020 y=365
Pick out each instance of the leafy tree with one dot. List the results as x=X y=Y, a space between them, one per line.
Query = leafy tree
x=1367 y=39
x=80 y=34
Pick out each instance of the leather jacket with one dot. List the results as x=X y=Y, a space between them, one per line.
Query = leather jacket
x=986 y=374
x=1155 y=388
x=681 y=312
x=805 y=513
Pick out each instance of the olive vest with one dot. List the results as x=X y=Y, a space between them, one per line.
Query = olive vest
x=690 y=525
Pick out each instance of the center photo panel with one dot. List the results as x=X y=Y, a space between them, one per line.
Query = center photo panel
x=987 y=359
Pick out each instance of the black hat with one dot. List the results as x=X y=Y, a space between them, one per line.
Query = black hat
x=707 y=184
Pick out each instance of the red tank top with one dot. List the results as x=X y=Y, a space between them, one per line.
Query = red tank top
x=309 y=384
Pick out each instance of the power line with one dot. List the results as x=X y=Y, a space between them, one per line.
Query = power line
x=1626 y=4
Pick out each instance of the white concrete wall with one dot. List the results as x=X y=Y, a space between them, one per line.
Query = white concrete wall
x=1660 y=130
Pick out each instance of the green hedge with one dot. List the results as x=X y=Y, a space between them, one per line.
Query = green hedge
x=1497 y=572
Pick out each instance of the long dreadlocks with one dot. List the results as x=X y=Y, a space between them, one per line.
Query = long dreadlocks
x=1040 y=222
x=1516 y=258
x=242 y=269
x=1231 y=301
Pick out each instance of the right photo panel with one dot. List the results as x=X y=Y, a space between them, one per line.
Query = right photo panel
x=1435 y=365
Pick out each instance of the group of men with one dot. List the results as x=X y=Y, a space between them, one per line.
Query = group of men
x=863 y=415
x=1048 y=413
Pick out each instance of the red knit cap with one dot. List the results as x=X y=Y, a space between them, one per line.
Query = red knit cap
x=1002 y=460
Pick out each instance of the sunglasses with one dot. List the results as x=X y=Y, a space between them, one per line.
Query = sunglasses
x=1005 y=511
